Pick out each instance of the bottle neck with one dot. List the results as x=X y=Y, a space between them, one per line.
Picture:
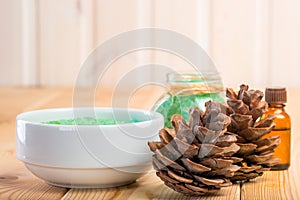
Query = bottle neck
x=275 y=105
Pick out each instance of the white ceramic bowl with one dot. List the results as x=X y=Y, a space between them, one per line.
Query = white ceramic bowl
x=87 y=155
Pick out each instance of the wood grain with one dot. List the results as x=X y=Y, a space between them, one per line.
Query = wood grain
x=16 y=182
x=147 y=187
x=275 y=184
x=10 y=40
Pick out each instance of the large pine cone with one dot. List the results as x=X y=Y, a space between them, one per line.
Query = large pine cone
x=256 y=148
x=195 y=158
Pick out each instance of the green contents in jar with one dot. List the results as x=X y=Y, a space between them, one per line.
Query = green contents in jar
x=90 y=121
x=188 y=90
x=181 y=104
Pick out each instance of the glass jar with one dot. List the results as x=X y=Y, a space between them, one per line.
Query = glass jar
x=188 y=90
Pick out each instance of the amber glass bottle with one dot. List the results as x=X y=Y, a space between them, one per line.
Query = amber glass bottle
x=276 y=98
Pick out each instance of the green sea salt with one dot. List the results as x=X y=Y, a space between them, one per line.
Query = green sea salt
x=180 y=104
x=90 y=121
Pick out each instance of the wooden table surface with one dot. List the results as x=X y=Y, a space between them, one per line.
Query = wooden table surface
x=16 y=182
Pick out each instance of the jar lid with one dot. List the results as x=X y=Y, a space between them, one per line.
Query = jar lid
x=276 y=95
x=194 y=83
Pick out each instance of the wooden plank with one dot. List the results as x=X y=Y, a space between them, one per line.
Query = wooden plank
x=262 y=48
x=10 y=40
x=15 y=100
x=30 y=43
x=59 y=41
x=273 y=185
x=232 y=27
x=285 y=30
x=16 y=182
x=147 y=187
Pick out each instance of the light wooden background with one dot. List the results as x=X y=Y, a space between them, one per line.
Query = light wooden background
x=44 y=42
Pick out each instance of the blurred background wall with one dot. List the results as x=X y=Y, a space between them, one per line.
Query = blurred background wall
x=44 y=42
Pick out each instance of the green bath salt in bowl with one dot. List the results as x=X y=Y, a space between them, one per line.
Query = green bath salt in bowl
x=90 y=147
x=91 y=121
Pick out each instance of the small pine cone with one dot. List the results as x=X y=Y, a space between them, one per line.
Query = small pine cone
x=256 y=149
x=195 y=158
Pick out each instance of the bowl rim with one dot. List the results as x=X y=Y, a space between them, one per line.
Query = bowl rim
x=155 y=116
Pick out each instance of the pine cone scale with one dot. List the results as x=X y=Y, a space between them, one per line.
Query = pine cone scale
x=194 y=167
x=179 y=178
